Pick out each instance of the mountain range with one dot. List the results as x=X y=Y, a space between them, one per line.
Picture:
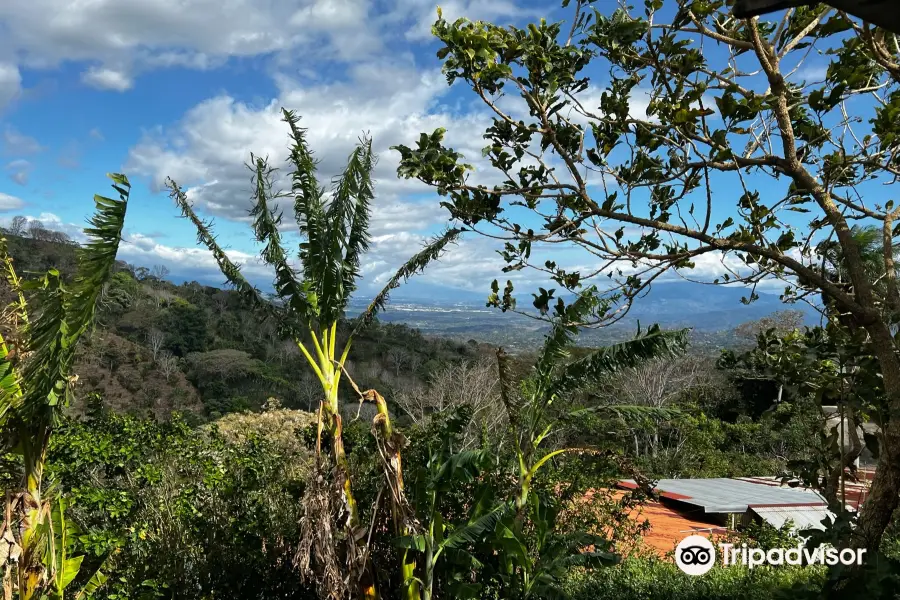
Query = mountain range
x=712 y=311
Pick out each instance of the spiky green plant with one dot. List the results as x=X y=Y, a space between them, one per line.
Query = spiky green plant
x=311 y=300
x=554 y=376
x=37 y=349
x=534 y=413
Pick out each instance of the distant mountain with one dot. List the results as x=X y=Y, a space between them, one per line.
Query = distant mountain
x=708 y=307
x=672 y=304
x=712 y=311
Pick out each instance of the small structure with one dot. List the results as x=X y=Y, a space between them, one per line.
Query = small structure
x=730 y=496
x=800 y=517
x=722 y=502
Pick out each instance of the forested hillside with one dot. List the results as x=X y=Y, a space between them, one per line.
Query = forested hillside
x=158 y=347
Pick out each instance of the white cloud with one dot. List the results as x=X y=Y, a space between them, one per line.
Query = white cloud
x=143 y=250
x=424 y=13
x=107 y=79
x=809 y=72
x=8 y=202
x=19 y=170
x=122 y=38
x=190 y=33
x=468 y=265
x=393 y=216
x=207 y=150
x=10 y=84
x=16 y=143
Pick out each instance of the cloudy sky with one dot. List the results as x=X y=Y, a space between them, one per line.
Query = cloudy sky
x=188 y=88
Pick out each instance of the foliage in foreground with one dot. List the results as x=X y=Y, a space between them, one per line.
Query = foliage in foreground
x=41 y=329
x=655 y=579
x=193 y=514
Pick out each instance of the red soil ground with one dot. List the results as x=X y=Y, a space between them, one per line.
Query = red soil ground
x=667 y=526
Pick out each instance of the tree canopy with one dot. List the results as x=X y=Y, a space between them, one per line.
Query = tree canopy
x=665 y=134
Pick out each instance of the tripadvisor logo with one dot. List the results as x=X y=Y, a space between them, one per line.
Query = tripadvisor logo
x=695 y=555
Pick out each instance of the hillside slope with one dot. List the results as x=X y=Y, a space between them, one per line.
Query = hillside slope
x=159 y=347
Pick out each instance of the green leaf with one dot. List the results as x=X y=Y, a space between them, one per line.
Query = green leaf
x=411 y=542
x=68 y=571
x=600 y=363
x=65 y=315
x=475 y=530
x=431 y=252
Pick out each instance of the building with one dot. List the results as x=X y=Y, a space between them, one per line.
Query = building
x=714 y=506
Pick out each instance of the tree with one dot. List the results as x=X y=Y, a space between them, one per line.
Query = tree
x=226 y=364
x=37 y=350
x=220 y=300
x=637 y=190
x=168 y=364
x=141 y=273
x=58 y=237
x=17 y=225
x=399 y=357
x=156 y=339
x=782 y=321
x=159 y=272
x=37 y=231
x=187 y=327
x=454 y=386
x=656 y=383
x=310 y=302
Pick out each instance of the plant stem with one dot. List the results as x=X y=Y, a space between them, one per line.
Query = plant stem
x=394 y=474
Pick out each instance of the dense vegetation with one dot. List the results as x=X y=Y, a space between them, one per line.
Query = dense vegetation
x=182 y=441
x=179 y=501
x=159 y=347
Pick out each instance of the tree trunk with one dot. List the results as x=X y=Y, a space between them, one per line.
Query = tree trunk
x=875 y=514
x=884 y=496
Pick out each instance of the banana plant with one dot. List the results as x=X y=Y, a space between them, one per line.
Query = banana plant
x=390 y=443
x=531 y=408
x=37 y=348
x=532 y=555
x=310 y=301
x=535 y=566
x=442 y=473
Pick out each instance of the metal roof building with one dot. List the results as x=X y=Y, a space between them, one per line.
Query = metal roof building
x=728 y=496
x=764 y=498
x=801 y=517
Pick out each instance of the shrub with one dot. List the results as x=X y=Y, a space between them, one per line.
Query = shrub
x=193 y=514
x=657 y=579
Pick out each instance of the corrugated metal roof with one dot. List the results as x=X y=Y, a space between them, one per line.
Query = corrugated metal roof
x=855 y=491
x=774 y=481
x=723 y=495
x=806 y=517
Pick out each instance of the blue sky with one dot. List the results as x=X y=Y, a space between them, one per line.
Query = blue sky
x=187 y=89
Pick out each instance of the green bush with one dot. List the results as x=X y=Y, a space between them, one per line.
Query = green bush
x=193 y=513
x=657 y=579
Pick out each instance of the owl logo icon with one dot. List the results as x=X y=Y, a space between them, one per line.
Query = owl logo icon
x=695 y=555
